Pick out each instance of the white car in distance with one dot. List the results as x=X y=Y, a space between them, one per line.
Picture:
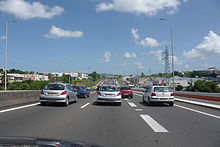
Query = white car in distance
x=158 y=94
x=109 y=94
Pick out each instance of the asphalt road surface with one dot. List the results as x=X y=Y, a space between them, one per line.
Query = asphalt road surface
x=133 y=124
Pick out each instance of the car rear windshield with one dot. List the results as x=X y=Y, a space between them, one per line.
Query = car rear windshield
x=108 y=88
x=162 y=89
x=81 y=87
x=54 y=87
x=125 y=88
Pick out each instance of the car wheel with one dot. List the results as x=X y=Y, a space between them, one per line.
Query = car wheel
x=66 y=101
x=171 y=104
x=119 y=104
x=149 y=102
x=43 y=103
x=75 y=100
x=131 y=97
x=143 y=99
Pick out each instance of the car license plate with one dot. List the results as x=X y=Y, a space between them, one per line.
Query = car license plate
x=163 y=98
x=52 y=94
x=126 y=94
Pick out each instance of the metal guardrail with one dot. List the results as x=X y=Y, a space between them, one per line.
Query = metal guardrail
x=199 y=93
x=9 y=91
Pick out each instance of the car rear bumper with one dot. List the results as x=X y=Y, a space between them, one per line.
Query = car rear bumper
x=81 y=94
x=127 y=95
x=162 y=100
x=109 y=100
x=54 y=99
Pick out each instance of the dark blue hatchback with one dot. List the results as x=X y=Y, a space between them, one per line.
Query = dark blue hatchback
x=82 y=91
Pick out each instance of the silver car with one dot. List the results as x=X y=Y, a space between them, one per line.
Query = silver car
x=109 y=94
x=158 y=94
x=58 y=93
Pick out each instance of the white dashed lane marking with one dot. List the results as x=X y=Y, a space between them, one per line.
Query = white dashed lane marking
x=153 y=124
x=132 y=104
x=138 y=109
x=84 y=105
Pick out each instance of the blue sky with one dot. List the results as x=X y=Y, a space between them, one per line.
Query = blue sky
x=109 y=36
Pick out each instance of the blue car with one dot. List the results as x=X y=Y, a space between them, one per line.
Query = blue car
x=82 y=91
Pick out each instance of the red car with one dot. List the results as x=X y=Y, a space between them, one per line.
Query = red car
x=126 y=92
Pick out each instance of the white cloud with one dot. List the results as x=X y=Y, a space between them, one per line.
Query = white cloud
x=3 y=37
x=147 y=42
x=26 y=10
x=209 y=47
x=130 y=55
x=139 y=65
x=124 y=63
x=107 y=57
x=187 y=66
x=146 y=7
x=177 y=61
x=56 y=32
x=104 y=7
x=134 y=33
x=158 y=54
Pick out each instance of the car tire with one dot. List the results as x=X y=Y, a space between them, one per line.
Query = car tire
x=131 y=97
x=119 y=104
x=43 y=103
x=171 y=104
x=143 y=99
x=149 y=102
x=75 y=100
x=66 y=101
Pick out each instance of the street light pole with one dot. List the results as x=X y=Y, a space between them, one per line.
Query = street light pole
x=172 y=48
x=6 y=51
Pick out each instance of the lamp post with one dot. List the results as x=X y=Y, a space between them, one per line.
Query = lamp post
x=171 y=35
x=6 y=50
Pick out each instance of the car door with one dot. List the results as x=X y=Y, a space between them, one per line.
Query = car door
x=148 y=93
x=70 y=91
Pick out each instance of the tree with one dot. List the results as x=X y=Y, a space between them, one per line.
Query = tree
x=179 y=88
x=94 y=76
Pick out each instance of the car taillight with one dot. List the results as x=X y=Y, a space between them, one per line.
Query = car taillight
x=42 y=92
x=119 y=94
x=99 y=93
x=171 y=94
x=63 y=93
x=153 y=94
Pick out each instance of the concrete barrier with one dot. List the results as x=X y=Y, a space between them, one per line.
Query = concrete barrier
x=17 y=97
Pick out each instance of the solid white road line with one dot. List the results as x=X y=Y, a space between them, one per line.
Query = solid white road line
x=153 y=124
x=138 y=110
x=126 y=99
x=132 y=104
x=84 y=105
x=215 y=116
x=199 y=103
x=21 y=107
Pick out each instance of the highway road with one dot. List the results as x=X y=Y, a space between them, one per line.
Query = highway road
x=133 y=124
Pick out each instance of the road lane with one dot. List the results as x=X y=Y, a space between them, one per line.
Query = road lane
x=112 y=125
x=185 y=127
